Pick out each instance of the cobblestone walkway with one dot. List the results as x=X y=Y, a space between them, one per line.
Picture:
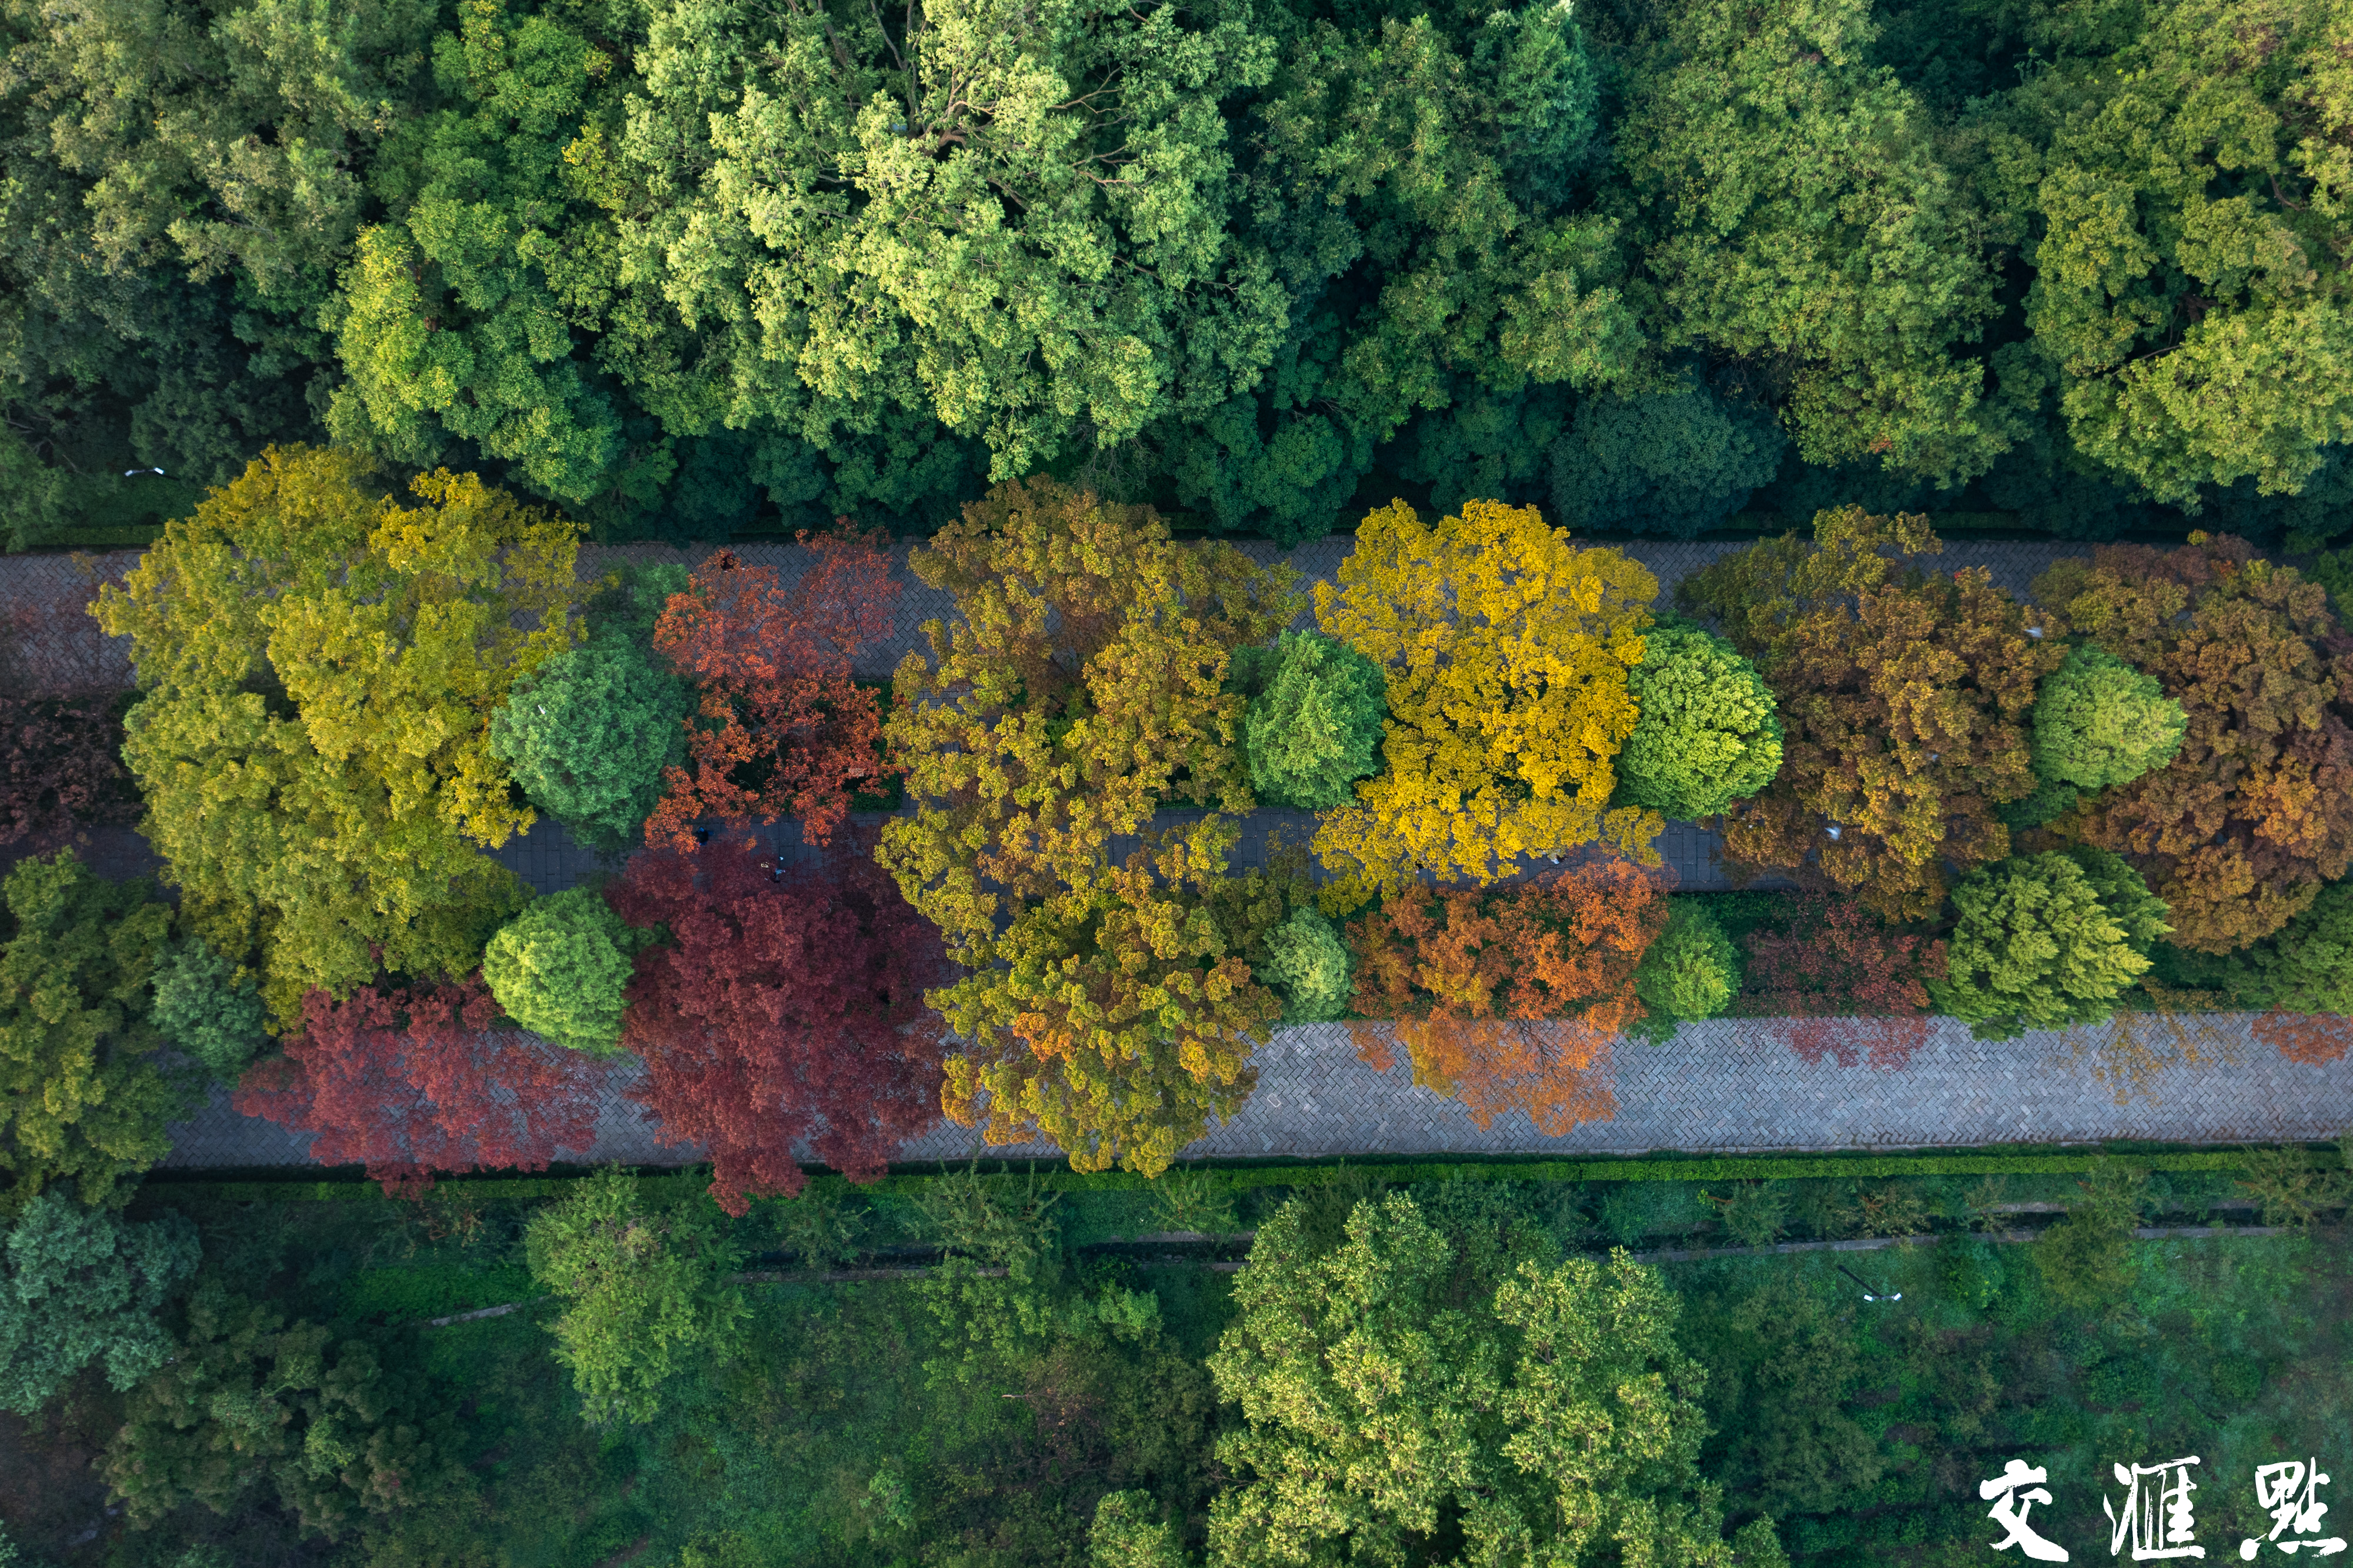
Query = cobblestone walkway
x=1721 y=1086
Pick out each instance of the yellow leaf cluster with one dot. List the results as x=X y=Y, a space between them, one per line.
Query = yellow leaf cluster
x=320 y=665
x=1506 y=649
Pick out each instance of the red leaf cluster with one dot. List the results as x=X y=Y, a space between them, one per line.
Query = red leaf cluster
x=2315 y=1039
x=60 y=764
x=412 y=1083
x=1852 y=988
x=788 y=1008
x=790 y=733
x=1510 y=1000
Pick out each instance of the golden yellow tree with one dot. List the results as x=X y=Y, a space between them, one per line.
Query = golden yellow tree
x=1506 y=649
x=319 y=665
x=1081 y=688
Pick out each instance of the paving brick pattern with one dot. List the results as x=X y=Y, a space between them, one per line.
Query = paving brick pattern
x=1721 y=1086
x=1727 y=1086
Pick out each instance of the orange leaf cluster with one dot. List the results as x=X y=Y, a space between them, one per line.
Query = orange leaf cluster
x=1851 y=989
x=790 y=733
x=2239 y=832
x=1511 y=1000
x=2315 y=1039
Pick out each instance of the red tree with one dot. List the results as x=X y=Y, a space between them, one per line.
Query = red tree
x=1852 y=988
x=788 y=1008
x=794 y=733
x=412 y=1083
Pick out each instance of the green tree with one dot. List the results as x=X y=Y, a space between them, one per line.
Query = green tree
x=2087 y=1259
x=588 y=734
x=208 y=1008
x=78 y=1286
x=1313 y=726
x=1708 y=732
x=247 y=1398
x=1308 y=966
x=1388 y=1402
x=319 y=666
x=645 y=1292
x=183 y=182
x=1794 y=205
x=2182 y=201
x=561 y=967
x=2037 y=945
x=1780 y=1404
x=1677 y=462
x=1691 y=969
x=81 y=1099
x=2099 y=721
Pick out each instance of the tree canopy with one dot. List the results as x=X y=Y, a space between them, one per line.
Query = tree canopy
x=1547 y=1414
x=1506 y=649
x=319 y=666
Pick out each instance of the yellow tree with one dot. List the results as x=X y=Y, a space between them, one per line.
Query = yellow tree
x=1080 y=688
x=319 y=665
x=1506 y=649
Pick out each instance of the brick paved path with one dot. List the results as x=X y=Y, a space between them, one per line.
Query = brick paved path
x=1718 y=1086
x=1723 y=1085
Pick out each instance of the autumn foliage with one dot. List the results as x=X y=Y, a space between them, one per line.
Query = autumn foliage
x=412 y=1082
x=1507 y=651
x=1853 y=989
x=2315 y=1040
x=790 y=733
x=786 y=1010
x=1904 y=706
x=2239 y=831
x=1510 y=1000
x=60 y=766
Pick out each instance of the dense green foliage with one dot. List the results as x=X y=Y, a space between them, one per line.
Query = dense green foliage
x=1313 y=726
x=1400 y=1378
x=560 y=967
x=867 y=1419
x=1308 y=965
x=644 y=1293
x=1690 y=972
x=2047 y=940
x=82 y=1099
x=209 y=1009
x=1677 y=462
x=1709 y=731
x=2099 y=721
x=587 y=735
x=678 y=267
x=336 y=1426
x=80 y=1286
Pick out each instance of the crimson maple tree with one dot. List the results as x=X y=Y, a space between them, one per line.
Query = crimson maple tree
x=414 y=1082
x=790 y=733
x=788 y=1008
x=1851 y=988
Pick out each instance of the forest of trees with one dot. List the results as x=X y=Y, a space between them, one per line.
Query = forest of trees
x=678 y=268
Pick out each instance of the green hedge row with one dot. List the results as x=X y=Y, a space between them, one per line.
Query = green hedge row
x=1314 y=1172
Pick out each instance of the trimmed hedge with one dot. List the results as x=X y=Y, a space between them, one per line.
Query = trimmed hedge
x=1241 y=1178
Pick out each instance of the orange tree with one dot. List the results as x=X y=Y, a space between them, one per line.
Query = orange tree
x=1507 y=650
x=1080 y=688
x=1510 y=1000
x=2238 y=832
x=1904 y=706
